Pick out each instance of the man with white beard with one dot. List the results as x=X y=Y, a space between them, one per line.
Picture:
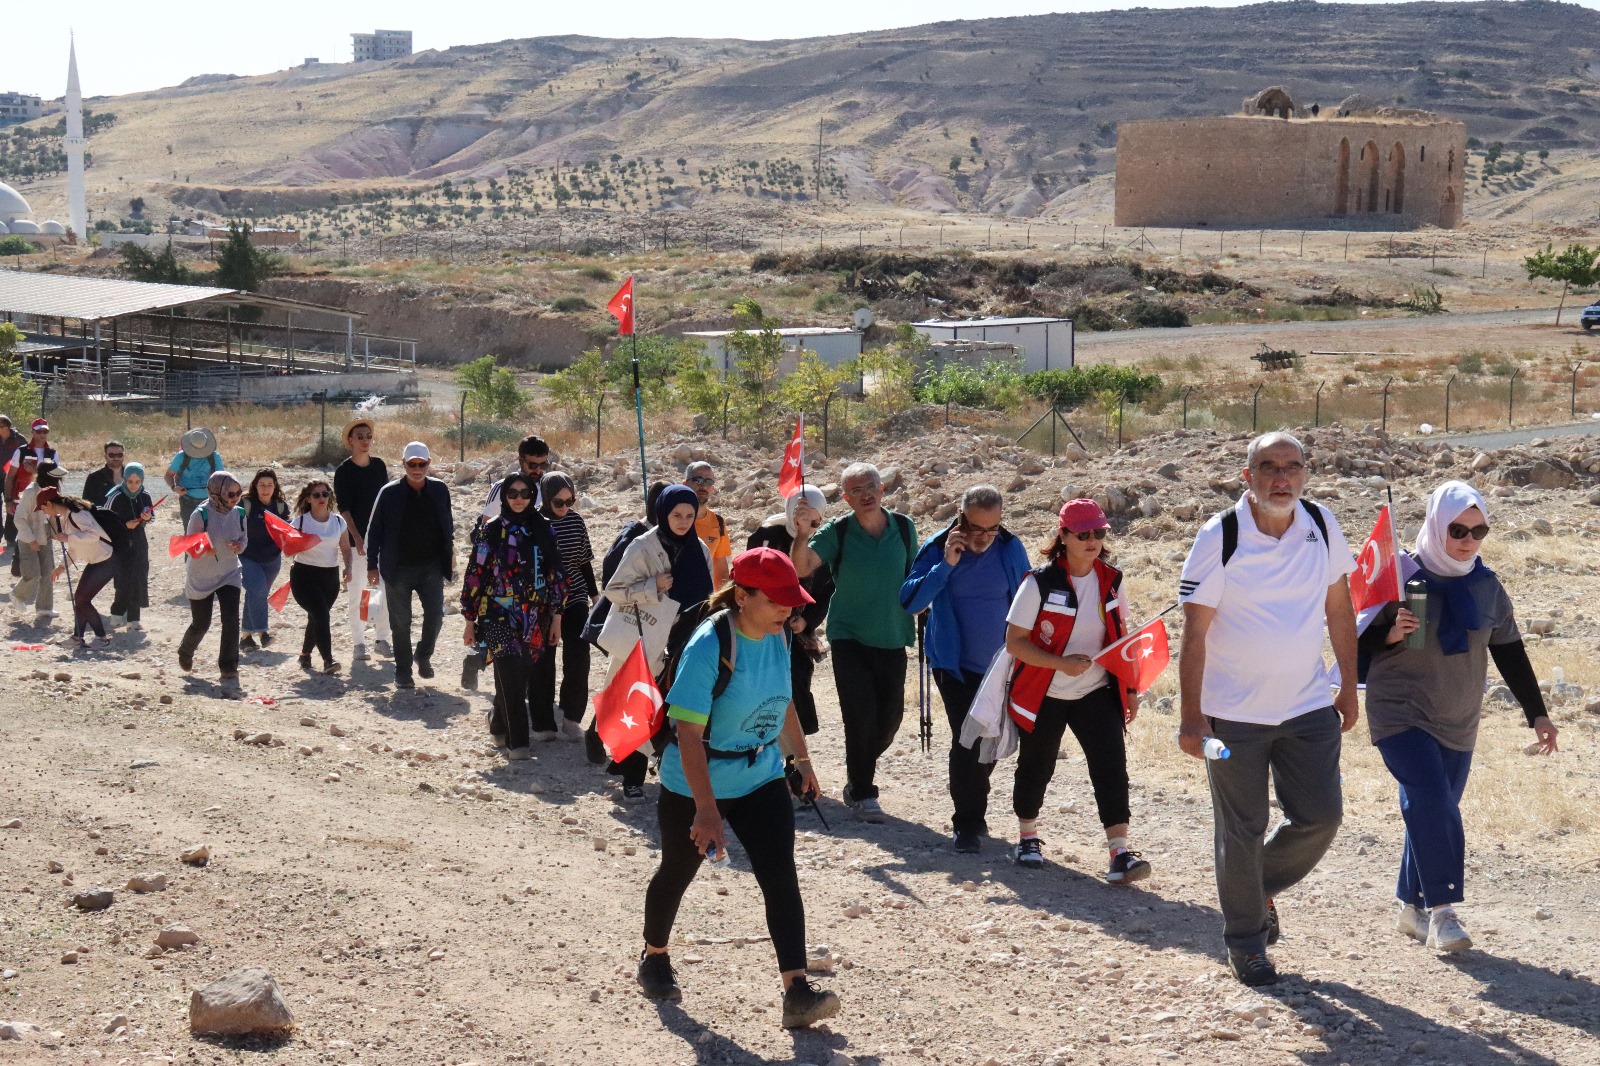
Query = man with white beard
x=964 y=577
x=1262 y=581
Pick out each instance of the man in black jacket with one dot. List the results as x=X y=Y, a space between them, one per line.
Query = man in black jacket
x=410 y=544
x=98 y=485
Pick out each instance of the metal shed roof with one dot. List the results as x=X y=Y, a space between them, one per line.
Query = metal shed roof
x=966 y=323
x=94 y=299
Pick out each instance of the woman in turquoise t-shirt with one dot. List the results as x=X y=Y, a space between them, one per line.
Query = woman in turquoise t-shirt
x=724 y=770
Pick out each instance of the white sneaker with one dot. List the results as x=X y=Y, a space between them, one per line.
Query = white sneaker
x=116 y=619
x=542 y=736
x=359 y=653
x=1413 y=923
x=569 y=730
x=519 y=754
x=1445 y=932
x=383 y=648
x=134 y=627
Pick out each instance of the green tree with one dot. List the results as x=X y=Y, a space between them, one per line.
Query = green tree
x=16 y=245
x=1575 y=267
x=241 y=265
x=164 y=267
x=492 y=391
x=576 y=388
x=756 y=357
x=814 y=383
x=18 y=395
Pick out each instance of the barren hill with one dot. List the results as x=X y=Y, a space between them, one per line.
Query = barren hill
x=1026 y=107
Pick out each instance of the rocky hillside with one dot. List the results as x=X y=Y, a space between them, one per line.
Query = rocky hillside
x=994 y=114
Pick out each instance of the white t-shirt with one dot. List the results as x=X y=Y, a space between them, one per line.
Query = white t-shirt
x=1088 y=630
x=326 y=551
x=1264 y=660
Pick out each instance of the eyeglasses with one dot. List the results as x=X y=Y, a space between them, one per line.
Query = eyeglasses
x=1092 y=534
x=562 y=502
x=1287 y=469
x=982 y=531
x=320 y=495
x=698 y=480
x=417 y=464
x=861 y=490
x=1458 y=531
x=518 y=494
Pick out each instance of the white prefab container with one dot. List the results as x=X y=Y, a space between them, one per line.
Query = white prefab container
x=832 y=344
x=1045 y=343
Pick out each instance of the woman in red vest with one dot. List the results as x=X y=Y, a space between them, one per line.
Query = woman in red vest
x=1066 y=611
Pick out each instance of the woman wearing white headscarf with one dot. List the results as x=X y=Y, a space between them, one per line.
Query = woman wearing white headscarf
x=802 y=513
x=216 y=576
x=1423 y=703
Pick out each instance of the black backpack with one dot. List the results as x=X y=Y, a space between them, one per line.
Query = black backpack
x=601 y=609
x=1230 y=529
x=688 y=622
x=112 y=527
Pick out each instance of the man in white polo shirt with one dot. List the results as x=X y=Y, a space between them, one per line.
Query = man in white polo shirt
x=1262 y=581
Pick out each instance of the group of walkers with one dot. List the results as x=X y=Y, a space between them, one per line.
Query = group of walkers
x=733 y=639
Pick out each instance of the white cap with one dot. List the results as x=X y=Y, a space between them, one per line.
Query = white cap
x=416 y=450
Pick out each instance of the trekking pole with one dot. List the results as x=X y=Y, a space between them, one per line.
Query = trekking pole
x=66 y=568
x=924 y=703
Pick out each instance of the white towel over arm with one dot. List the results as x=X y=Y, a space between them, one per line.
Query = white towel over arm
x=988 y=726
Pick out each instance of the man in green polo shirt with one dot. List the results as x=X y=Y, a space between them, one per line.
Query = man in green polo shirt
x=870 y=552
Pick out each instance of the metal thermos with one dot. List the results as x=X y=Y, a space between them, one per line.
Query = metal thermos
x=1417 y=604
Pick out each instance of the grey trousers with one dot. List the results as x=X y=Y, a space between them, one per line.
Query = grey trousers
x=36 y=589
x=1252 y=866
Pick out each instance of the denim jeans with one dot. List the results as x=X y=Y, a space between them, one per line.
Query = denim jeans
x=258 y=579
x=427 y=582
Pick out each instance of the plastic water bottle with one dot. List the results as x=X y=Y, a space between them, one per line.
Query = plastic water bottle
x=1214 y=748
x=713 y=854
x=1417 y=604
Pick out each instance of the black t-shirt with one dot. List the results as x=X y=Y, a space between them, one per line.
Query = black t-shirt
x=420 y=545
x=98 y=485
x=357 y=489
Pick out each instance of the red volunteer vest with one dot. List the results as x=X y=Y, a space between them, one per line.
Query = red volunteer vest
x=1058 y=612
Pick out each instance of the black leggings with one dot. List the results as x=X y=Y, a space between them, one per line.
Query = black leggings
x=1096 y=720
x=316 y=590
x=91 y=580
x=513 y=678
x=764 y=823
x=200 y=621
x=574 y=655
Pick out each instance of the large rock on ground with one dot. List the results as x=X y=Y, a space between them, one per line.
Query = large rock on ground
x=245 y=1001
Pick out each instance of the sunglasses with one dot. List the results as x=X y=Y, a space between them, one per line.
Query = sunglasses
x=537 y=464
x=417 y=464
x=113 y=455
x=1458 y=531
x=561 y=501
x=518 y=494
x=232 y=495
x=358 y=435
x=697 y=480
x=320 y=495
x=1092 y=534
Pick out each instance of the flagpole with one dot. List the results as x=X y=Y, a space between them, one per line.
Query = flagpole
x=1394 y=537
x=638 y=410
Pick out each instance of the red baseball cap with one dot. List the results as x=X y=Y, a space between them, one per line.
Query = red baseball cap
x=771 y=572
x=48 y=494
x=1080 y=516
x=41 y=426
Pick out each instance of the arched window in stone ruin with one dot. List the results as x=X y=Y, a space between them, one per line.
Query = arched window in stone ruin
x=1341 y=196
x=1450 y=162
x=1369 y=174
x=1397 y=178
x=1422 y=154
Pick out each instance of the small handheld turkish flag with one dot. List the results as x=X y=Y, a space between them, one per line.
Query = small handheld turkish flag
x=195 y=544
x=1376 y=578
x=629 y=709
x=1138 y=658
x=792 y=477
x=280 y=599
x=289 y=540
x=621 y=307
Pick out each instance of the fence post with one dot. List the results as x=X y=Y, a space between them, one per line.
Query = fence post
x=1576 y=367
x=461 y=430
x=1384 y=425
x=1316 y=418
x=599 y=408
x=1447 y=386
x=1511 y=395
x=1187 y=389
x=1255 y=405
x=1347 y=247
x=1122 y=402
x=827 y=401
x=1180 y=242
x=725 y=398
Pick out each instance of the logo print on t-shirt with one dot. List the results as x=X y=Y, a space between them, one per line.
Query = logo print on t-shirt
x=1047 y=630
x=767 y=719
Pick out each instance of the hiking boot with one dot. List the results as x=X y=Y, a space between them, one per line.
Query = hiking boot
x=966 y=842
x=1254 y=969
x=804 y=1004
x=1029 y=852
x=266 y=640
x=185 y=660
x=331 y=667
x=1445 y=932
x=404 y=682
x=870 y=810
x=248 y=643
x=1274 y=930
x=633 y=793
x=1413 y=922
x=657 y=977
x=424 y=669
x=1126 y=868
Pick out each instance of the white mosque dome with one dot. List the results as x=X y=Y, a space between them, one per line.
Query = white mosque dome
x=22 y=225
x=3 y=230
x=12 y=205
x=53 y=227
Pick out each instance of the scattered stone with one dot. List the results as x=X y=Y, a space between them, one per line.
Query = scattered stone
x=15 y=823
x=62 y=675
x=245 y=1001
x=142 y=764
x=164 y=698
x=156 y=882
x=176 y=936
x=198 y=855
x=93 y=899
x=256 y=738
x=600 y=844
x=119 y=1022
x=69 y=957
x=1543 y=914
x=336 y=731
x=309 y=721
x=54 y=867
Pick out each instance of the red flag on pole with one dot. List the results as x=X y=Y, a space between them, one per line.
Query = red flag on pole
x=629 y=709
x=280 y=599
x=621 y=307
x=1138 y=658
x=1376 y=578
x=793 y=474
x=195 y=544
x=289 y=540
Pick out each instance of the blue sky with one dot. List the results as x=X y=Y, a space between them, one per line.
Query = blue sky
x=126 y=47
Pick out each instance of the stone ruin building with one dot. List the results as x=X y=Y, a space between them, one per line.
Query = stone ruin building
x=1359 y=163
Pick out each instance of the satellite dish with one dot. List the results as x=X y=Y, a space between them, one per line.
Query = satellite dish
x=862 y=317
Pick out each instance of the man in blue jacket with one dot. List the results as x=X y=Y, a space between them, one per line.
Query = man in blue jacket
x=965 y=577
x=411 y=545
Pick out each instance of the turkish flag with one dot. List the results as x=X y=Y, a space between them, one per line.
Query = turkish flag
x=289 y=540
x=1138 y=658
x=371 y=600
x=195 y=544
x=621 y=307
x=1377 y=574
x=793 y=476
x=280 y=599
x=628 y=711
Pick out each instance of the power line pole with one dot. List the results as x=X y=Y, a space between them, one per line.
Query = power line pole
x=819 y=160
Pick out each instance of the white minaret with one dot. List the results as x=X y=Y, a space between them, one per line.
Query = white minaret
x=74 y=145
